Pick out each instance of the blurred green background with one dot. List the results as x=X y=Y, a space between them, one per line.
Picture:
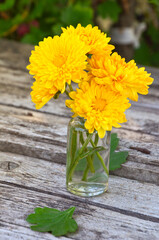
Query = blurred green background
x=29 y=21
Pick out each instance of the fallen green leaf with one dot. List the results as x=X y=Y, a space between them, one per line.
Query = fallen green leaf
x=57 y=222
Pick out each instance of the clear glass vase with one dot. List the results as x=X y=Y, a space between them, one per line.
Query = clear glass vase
x=87 y=167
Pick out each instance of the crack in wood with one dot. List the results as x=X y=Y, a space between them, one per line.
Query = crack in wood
x=34 y=110
x=36 y=138
x=87 y=201
x=143 y=150
x=140 y=131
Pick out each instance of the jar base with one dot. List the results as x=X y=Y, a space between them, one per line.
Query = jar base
x=85 y=189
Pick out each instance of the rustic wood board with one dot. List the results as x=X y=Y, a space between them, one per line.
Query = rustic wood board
x=95 y=222
x=30 y=173
x=42 y=135
x=17 y=84
x=126 y=210
x=33 y=155
x=15 y=55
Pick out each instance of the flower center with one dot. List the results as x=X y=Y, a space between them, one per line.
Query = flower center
x=60 y=60
x=85 y=38
x=99 y=104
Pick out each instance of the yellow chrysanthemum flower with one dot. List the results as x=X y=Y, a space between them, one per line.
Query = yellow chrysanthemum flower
x=92 y=37
x=120 y=76
x=57 y=61
x=102 y=108
x=41 y=95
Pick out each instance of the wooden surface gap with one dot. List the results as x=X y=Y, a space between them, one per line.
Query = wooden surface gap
x=87 y=201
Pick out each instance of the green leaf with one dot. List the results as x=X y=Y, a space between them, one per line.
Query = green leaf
x=6 y=5
x=155 y=2
x=116 y=158
x=83 y=163
x=5 y=25
x=57 y=222
x=57 y=29
x=34 y=36
x=143 y=54
x=109 y=8
x=114 y=142
x=153 y=33
x=75 y=14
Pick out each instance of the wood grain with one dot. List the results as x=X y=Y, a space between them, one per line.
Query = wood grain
x=94 y=222
x=30 y=173
x=33 y=156
x=15 y=87
x=44 y=136
x=15 y=55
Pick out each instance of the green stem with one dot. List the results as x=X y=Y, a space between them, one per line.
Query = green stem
x=96 y=139
x=74 y=164
x=90 y=163
x=67 y=93
x=70 y=87
x=100 y=158
x=89 y=158
x=85 y=174
x=81 y=138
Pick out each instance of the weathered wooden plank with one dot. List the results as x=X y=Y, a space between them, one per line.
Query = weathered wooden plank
x=137 y=123
x=44 y=136
x=15 y=91
x=15 y=55
x=11 y=231
x=124 y=194
x=138 y=166
x=94 y=222
x=15 y=88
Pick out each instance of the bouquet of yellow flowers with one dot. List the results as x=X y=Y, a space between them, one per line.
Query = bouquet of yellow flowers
x=83 y=55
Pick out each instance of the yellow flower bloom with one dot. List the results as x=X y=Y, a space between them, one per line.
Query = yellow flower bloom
x=102 y=108
x=57 y=61
x=120 y=76
x=41 y=95
x=92 y=37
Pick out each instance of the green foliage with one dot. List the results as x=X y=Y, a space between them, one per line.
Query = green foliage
x=155 y=2
x=57 y=222
x=90 y=151
x=153 y=33
x=6 y=5
x=4 y=25
x=116 y=158
x=148 y=53
x=51 y=15
x=33 y=35
x=83 y=163
x=109 y=8
x=74 y=14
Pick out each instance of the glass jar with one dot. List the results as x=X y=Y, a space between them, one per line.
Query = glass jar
x=87 y=167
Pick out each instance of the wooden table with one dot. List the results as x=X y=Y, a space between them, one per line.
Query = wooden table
x=33 y=157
